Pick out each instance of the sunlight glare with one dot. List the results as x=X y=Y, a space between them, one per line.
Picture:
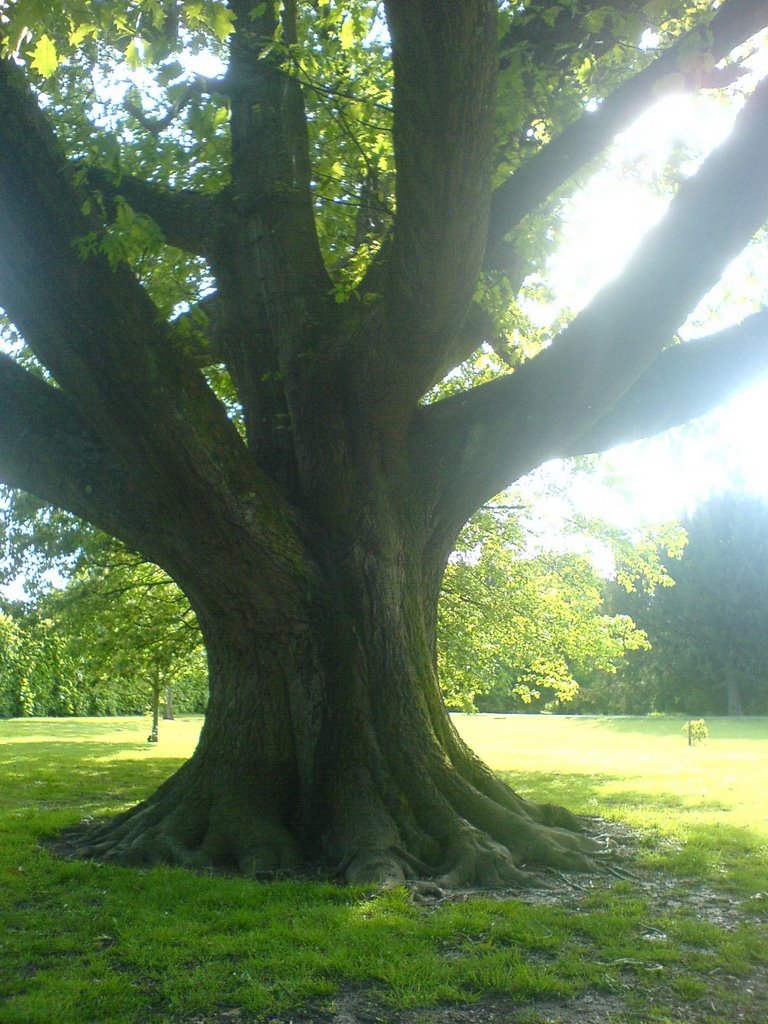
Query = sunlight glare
x=666 y=476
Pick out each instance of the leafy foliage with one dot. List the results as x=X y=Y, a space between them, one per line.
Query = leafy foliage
x=112 y=640
x=696 y=730
x=520 y=623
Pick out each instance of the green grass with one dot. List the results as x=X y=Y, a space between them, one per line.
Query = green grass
x=87 y=943
x=710 y=798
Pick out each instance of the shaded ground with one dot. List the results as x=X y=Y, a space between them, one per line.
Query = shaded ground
x=728 y=999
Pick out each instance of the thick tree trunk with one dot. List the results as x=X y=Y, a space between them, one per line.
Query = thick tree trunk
x=327 y=746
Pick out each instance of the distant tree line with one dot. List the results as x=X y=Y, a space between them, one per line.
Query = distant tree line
x=708 y=634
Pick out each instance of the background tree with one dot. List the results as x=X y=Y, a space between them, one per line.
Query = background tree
x=708 y=633
x=37 y=676
x=519 y=622
x=10 y=670
x=131 y=634
x=233 y=298
x=113 y=636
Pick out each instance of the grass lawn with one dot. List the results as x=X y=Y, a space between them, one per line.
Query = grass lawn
x=685 y=938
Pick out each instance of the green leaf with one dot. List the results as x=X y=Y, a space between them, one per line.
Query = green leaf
x=45 y=59
x=222 y=22
x=347 y=34
x=132 y=55
x=551 y=14
x=81 y=32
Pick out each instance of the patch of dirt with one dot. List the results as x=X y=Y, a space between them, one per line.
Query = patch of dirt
x=356 y=1008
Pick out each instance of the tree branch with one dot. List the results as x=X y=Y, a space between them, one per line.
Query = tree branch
x=199 y=85
x=445 y=60
x=683 y=382
x=93 y=326
x=271 y=175
x=563 y=393
x=188 y=220
x=554 y=164
x=47 y=449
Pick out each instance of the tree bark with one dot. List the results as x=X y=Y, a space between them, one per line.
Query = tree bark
x=168 y=703
x=732 y=689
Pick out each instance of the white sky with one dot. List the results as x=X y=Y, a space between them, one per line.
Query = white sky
x=666 y=476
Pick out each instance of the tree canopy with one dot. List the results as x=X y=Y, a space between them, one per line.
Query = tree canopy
x=250 y=257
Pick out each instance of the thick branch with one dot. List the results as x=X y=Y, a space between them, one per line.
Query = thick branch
x=500 y=430
x=46 y=448
x=92 y=325
x=49 y=450
x=683 y=382
x=445 y=59
x=612 y=341
x=210 y=333
x=188 y=220
x=274 y=224
x=550 y=168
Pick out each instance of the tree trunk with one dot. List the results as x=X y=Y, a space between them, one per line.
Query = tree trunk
x=327 y=746
x=153 y=736
x=168 y=704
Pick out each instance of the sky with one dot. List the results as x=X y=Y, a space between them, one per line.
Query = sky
x=667 y=476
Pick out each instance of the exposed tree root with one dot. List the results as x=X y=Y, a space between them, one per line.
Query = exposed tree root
x=378 y=827
x=232 y=837
x=185 y=830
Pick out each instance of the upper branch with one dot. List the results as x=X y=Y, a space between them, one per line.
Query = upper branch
x=155 y=125
x=188 y=220
x=542 y=174
x=500 y=430
x=274 y=232
x=445 y=60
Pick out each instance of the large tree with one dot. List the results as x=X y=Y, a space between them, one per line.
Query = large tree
x=360 y=195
